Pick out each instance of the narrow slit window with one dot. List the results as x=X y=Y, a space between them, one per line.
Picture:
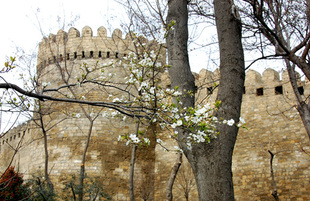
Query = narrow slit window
x=11 y=138
x=75 y=55
x=14 y=137
x=19 y=135
x=116 y=55
x=91 y=54
x=301 y=90
x=68 y=56
x=108 y=54
x=99 y=54
x=60 y=57
x=278 y=90
x=260 y=91
x=83 y=54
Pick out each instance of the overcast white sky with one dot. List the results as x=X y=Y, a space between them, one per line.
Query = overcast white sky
x=21 y=18
x=21 y=21
x=21 y=28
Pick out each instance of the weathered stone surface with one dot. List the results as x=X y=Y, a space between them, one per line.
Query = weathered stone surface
x=268 y=108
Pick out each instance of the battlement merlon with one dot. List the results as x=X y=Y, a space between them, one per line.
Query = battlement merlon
x=73 y=45
x=268 y=83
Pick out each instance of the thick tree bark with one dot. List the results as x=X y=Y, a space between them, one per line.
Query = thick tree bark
x=146 y=160
x=180 y=72
x=211 y=163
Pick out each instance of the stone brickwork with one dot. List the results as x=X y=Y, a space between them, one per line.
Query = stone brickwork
x=268 y=108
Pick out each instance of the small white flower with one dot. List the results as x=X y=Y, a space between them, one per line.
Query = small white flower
x=116 y=100
x=179 y=122
x=230 y=122
x=241 y=120
x=77 y=115
x=134 y=138
x=177 y=93
x=189 y=145
x=119 y=138
x=146 y=141
x=45 y=84
x=114 y=113
x=159 y=141
x=174 y=125
x=105 y=114
x=178 y=149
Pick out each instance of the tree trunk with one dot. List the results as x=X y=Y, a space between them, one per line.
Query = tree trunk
x=146 y=162
x=82 y=169
x=131 y=173
x=275 y=191
x=173 y=175
x=211 y=163
x=46 y=175
x=302 y=106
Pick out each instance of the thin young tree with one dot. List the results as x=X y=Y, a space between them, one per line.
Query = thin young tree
x=285 y=25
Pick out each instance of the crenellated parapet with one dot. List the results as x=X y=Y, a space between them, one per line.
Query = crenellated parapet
x=269 y=83
x=76 y=46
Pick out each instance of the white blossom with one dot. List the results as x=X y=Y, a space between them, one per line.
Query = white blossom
x=241 y=120
x=159 y=141
x=230 y=122
x=147 y=141
x=179 y=122
x=45 y=84
x=92 y=114
x=105 y=114
x=178 y=149
x=177 y=93
x=134 y=138
x=116 y=100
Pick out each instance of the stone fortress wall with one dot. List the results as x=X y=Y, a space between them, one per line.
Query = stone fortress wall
x=268 y=108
